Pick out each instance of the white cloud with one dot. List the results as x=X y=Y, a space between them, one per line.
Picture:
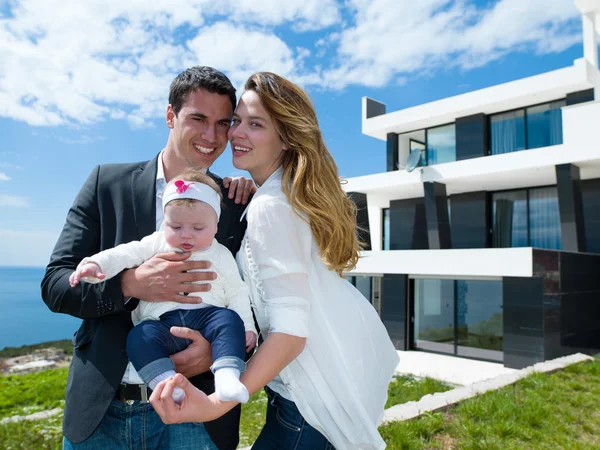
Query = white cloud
x=244 y=52
x=26 y=248
x=301 y=15
x=13 y=201
x=74 y=62
x=6 y=165
x=4 y=177
x=392 y=38
x=82 y=62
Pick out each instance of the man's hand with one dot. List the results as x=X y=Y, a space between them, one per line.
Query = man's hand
x=164 y=277
x=196 y=358
x=250 y=340
x=239 y=187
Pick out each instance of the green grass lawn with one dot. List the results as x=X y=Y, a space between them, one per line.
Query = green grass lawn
x=26 y=394
x=557 y=411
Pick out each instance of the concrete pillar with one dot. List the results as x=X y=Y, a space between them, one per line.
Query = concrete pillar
x=590 y=42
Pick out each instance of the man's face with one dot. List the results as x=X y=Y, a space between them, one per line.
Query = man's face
x=199 y=133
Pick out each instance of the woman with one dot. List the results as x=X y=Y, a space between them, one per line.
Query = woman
x=326 y=359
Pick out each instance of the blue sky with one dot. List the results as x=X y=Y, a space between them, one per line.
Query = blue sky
x=86 y=83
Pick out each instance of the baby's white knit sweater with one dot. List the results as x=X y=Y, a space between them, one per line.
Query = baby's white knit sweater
x=228 y=290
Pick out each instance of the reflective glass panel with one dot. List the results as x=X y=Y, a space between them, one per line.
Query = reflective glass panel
x=441 y=144
x=385 y=239
x=416 y=145
x=509 y=219
x=363 y=284
x=479 y=319
x=507 y=132
x=544 y=125
x=434 y=315
x=544 y=219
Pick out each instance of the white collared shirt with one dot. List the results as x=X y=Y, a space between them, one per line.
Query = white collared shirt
x=339 y=382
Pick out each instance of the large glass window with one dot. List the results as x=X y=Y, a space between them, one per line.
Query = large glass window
x=509 y=219
x=544 y=219
x=441 y=144
x=508 y=132
x=526 y=218
x=459 y=317
x=363 y=284
x=533 y=127
x=544 y=125
x=479 y=319
x=434 y=315
x=385 y=237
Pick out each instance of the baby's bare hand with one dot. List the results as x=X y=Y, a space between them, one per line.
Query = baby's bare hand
x=89 y=270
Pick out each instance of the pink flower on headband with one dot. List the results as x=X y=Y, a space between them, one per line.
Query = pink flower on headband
x=182 y=186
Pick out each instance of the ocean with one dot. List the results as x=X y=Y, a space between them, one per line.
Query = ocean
x=25 y=319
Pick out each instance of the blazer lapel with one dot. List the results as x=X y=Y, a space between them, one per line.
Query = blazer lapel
x=143 y=188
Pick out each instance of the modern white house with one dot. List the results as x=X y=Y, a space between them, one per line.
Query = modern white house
x=490 y=247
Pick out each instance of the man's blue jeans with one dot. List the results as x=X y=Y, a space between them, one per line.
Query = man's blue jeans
x=286 y=429
x=150 y=343
x=137 y=426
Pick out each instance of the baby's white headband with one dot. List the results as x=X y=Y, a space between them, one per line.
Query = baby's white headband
x=196 y=191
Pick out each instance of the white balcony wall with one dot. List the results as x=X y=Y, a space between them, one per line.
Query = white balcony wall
x=454 y=263
x=504 y=97
x=581 y=127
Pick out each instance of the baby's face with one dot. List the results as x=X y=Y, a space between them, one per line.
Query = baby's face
x=190 y=228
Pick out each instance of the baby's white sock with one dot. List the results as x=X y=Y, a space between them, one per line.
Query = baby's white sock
x=228 y=386
x=178 y=393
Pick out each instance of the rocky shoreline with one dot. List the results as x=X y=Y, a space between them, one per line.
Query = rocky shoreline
x=35 y=358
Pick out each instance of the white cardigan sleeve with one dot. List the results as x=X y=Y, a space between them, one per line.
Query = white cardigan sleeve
x=125 y=256
x=236 y=291
x=280 y=242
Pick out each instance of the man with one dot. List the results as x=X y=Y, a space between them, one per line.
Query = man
x=106 y=402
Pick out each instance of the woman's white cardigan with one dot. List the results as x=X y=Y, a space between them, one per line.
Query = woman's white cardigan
x=340 y=380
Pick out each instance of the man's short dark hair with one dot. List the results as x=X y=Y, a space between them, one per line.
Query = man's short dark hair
x=199 y=77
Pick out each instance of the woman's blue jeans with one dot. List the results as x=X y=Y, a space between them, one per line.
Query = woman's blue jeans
x=286 y=429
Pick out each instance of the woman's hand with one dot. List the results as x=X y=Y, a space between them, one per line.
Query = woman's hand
x=196 y=406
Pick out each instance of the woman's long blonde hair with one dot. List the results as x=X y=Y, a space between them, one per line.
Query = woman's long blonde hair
x=310 y=176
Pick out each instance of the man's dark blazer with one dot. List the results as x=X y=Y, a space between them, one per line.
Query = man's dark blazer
x=117 y=204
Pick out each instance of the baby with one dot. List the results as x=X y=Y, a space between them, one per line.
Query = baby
x=192 y=206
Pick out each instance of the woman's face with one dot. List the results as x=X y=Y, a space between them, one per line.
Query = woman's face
x=254 y=139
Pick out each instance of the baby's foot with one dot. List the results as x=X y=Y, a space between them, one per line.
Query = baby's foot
x=228 y=386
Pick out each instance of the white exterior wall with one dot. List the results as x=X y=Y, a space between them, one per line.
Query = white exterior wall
x=525 y=168
x=454 y=264
x=504 y=97
x=375 y=204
